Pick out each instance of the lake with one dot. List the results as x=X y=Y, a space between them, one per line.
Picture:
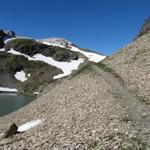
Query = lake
x=12 y=102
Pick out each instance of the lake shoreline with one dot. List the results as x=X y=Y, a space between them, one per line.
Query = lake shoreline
x=18 y=93
x=10 y=102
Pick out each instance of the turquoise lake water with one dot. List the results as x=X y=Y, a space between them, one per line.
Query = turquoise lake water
x=10 y=102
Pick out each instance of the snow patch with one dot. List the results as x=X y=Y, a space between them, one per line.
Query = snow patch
x=90 y=55
x=29 y=125
x=37 y=93
x=28 y=75
x=53 y=44
x=66 y=67
x=8 y=39
x=5 y=89
x=2 y=50
x=21 y=76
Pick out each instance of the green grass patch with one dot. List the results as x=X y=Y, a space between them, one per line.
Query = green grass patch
x=84 y=67
x=106 y=68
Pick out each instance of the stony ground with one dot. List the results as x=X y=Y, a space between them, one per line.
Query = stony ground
x=93 y=110
x=132 y=63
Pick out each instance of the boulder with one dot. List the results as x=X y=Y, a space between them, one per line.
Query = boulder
x=1 y=42
x=12 y=130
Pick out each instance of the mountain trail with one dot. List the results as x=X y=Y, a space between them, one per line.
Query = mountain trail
x=136 y=109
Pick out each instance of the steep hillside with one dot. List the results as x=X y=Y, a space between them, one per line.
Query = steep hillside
x=132 y=63
x=92 y=110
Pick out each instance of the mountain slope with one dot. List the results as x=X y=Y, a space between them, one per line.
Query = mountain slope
x=91 y=110
x=47 y=60
x=132 y=64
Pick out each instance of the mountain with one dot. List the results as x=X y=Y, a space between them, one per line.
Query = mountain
x=28 y=64
x=100 y=106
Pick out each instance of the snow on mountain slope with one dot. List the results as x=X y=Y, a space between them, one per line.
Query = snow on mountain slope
x=8 y=39
x=67 y=44
x=61 y=56
x=66 y=67
x=90 y=55
x=5 y=89
x=2 y=50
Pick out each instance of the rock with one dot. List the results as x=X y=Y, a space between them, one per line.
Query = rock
x=1 y=42
x=66 y=147
x=12 y=130
x=11 y=34
x=5 y=35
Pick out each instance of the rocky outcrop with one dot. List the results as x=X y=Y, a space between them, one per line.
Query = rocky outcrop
x=57 y=41
x=31 y=47
x=4 y=35
x=12 y=131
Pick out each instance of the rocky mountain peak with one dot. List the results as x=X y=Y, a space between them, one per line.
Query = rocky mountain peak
x=57 y=42
x=4 y=35
x=8 y=33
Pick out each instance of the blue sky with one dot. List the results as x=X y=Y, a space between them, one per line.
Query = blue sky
x=101 y=25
